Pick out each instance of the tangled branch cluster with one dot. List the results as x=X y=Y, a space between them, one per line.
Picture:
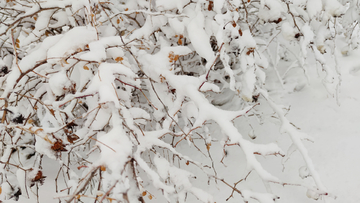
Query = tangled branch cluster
x=110 y=89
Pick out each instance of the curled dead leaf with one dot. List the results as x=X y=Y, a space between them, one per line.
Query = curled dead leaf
x=58 y=146
x=71 y=138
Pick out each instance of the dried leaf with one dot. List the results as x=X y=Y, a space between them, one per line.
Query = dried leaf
x=118 y=21
x=86 y=68
x=162 y=78
x=180 y=41
x=58 y=146
x=176 y=57
x=118 y=59
x=102 y=168
x=150 y=197
x=30 y=121
x=208 y=145
x=39 y=177
x=144 y=193
x=52 y=112
x=250 y=50
x=210 y=6
x=110 y=199
x=82 y=166
x=47 y=33
x=71 y=138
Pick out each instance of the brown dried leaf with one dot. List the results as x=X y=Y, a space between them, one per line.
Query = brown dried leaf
x=210 y=6
x=208 y=145
x=119 y=59
x=52 y=112
x=176 y=57
x=58 y=146
x=162 y=78
x=110 y=199
x=71 y=138
x=86 y=68
x=30 y=121
x=39 y=177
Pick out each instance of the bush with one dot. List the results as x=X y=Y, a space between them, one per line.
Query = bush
x=126 y=95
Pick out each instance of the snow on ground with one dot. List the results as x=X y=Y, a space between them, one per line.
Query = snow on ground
x=336 y=130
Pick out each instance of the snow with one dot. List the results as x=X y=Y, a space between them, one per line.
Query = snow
x=163 y=5
x=199 y=38
x=314 y=8
x=333 y=8
x=289 y=132
x=74 y=39
x=59 y=82
x=114 y=145
x=288 y=31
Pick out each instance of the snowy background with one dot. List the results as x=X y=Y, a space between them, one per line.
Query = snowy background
x=335 y=150
x=180 y=101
